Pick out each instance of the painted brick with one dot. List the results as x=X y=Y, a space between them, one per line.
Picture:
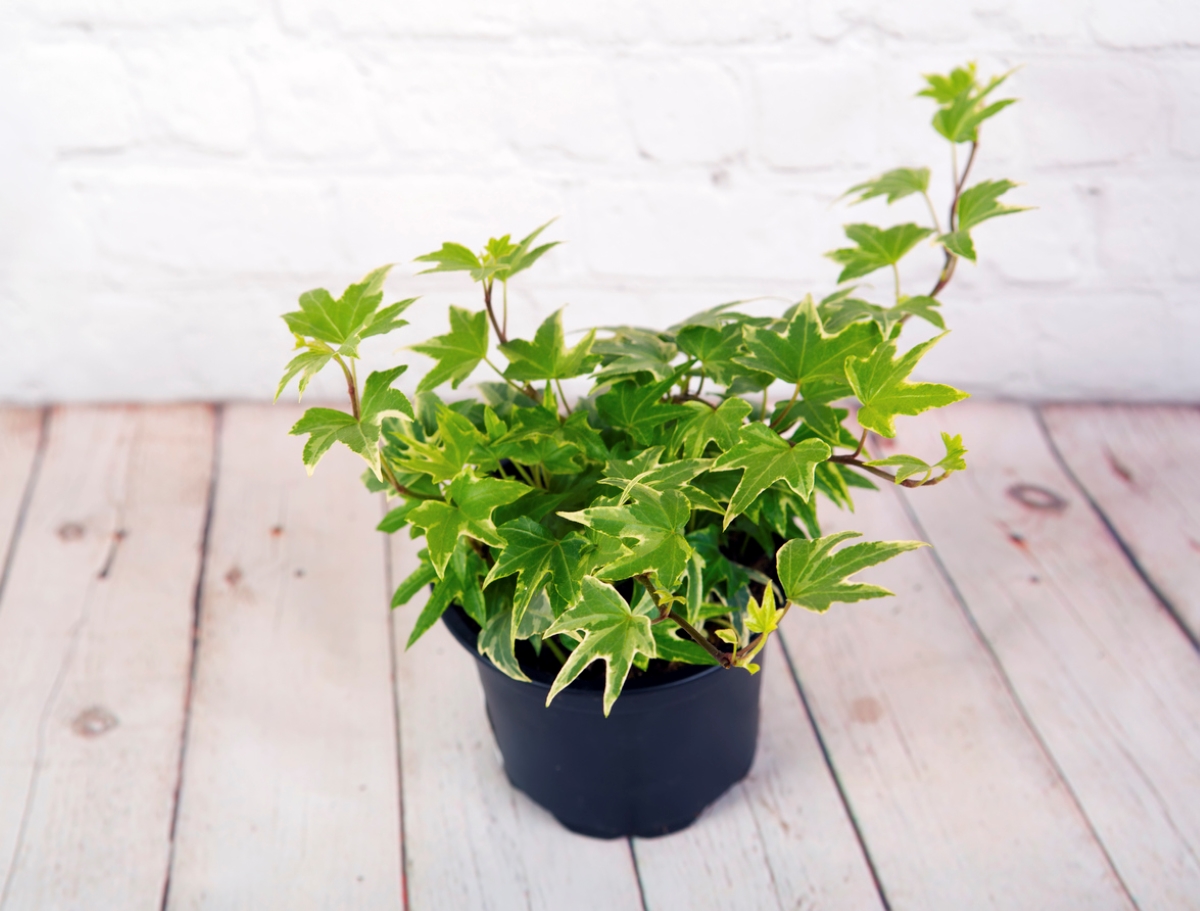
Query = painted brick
x=314 y=104
x=818 y=115
x=194 y=94
x=1147 y=230
x=457 y=18
x=84 y=95
x=691 y=112
x=180 y=13
x=1147 y=23
x=1183 y=90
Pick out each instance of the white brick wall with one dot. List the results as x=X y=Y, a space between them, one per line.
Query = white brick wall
x=173 y=174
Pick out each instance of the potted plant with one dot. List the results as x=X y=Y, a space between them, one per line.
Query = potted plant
x=646 y=536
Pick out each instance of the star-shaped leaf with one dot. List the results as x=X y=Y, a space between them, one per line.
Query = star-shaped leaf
x=895 y=184
x=646 y=469
x=715 y=349
x=875 y=248
x=631 y=351
x=638 y=408
x=767 y=458
x=443 y=456
x=977 y=204
x=806 y=354
x=547 y=356
x=814 y=576
x=708 y=425
x=651 y=528
x=458 y=352
x=350 y=318
x=961 y=101
x=459 y=582
x=540 y=560
x=611 y=632
x=881 y=384
x=908 y=466
x=467 y=510
x=500 y=258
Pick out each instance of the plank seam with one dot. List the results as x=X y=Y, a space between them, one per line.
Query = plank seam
x=1163 y=601
x=218 y=413
x=837 y=781
x=1011 y=689
x=35 y=470
x=637 y=873
x=389 y=581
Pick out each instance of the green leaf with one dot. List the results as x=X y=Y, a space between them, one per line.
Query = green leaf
x=814 y=576
x=961 y=101
x=807 y=354
x=672 y=644
x=451 y=257
x=651 y=528
x=875 y=248
x=639 y=409
x=445 y=455
x=611 y=632
x=421 y=577
x=350 y=318
x=766 y=458
x=631 y=351
x=762 y=619
x=397 y=518
x=326 y=426
x=539 y=559
x=307 y=364
x=715 y=349
x=645 y=469
x=496 y=642
x=459 y=582
x=547 y=357
x=953 y=459
x=380 y=400
x=466 y=511
x=458 y=352
x=923 y=307
x=906 y=466
x=959 y=243
x=881 y=384
x=895 y=184
x=708 y=425
x=981 y=202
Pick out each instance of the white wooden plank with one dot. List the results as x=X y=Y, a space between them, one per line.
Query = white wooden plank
x=958 y=804
x=95 y=647
x=1105 y=675
x=780 y=839
x=471 y=839
x=1139 y=464
x=290 y=791
x=20 y=430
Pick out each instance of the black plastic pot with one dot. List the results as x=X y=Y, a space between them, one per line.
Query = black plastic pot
x=669 y=748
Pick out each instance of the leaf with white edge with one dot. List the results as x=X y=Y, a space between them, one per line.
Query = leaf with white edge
x=418 y=579
x=451 y=257
x=444 y=456
x=814 y=576
x=380 y=400
x=806 y=353
x=458 y=352
x=539 y=559
x=921 y=306
x=959 y=243
x=881 y=384
x=762 y=619
x=720 y=426
x=343 y=322
x=953 y=459
x=875 y=248
x=645 y=469
x=894 y=184
x=547 y=356
x=674 y=645
x=639 y=409
x=906 y=466
x=766 y=458
x=467 y=510
x=654 y=522
x=496 y=642
x=397 y=518
x=981 y=202
x=307 y=364
x=326 y=426
x=715 y=348
x=538 y=616
x=611 y=632
x=459 y=582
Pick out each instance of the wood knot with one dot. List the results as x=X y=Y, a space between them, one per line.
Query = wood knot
x=70 y=531
x=94 y=721
x=1036 y=497
x=276 y=531
x=234 y=576
x=866 y=710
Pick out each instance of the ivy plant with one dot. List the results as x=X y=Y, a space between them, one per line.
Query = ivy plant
x=665 y=515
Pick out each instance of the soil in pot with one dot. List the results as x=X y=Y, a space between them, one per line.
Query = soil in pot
x=675 y=741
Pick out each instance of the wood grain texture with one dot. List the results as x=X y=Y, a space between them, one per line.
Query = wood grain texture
x=95 y=650
x=779 y=840
x=20 y=430
x=1140 y=466
x=471 y=839
x=958 y=805
x=1103 y=672
x=290 y=790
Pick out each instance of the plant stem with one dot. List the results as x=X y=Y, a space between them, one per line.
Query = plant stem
x=937 y=225
x=666 y=613
x=555 y=649
x=861 y=443
x=500 y=373
x=400 y=488
x=764 y=404
x=351 y=386
x=504 y=317
x=788 y=409
x=880 y=473
x=524 y=474
x=563 y=397
x=896 y=279
x=959 y=181
x=487 y=302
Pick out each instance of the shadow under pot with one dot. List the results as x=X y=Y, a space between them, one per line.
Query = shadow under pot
x=673 y=743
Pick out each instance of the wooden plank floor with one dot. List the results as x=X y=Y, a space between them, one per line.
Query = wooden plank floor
x=205 y=702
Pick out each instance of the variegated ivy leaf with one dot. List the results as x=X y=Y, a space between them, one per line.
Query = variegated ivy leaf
x=326 y=426
x=467 y=510
x=908 y=466
x=500 y=258
x=346 y=321
x=651 y=529
x=714 y=347
x=962 y=102
x=496 y=641
x=766 y=458
x=881 y=384
x=631 y=351
x=875 y=248
x=610 y=632
x=445 y=455
x=541 y=561
x=638 y=409
x=645 y=469
x=547 y=356
x=977 y=204
x=458 y=352
x=708 y=425
x=762 y=619
x=894 y=184
x=459 y=582
x=806 y=354
x=814 y=576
